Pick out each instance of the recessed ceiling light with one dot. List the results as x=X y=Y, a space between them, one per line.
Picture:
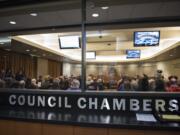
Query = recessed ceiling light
x=171 y=55
x=33 y=14
x=27 y=50
x=2 y=43
x=104 y=8
x=95 y=15
x=12 y=22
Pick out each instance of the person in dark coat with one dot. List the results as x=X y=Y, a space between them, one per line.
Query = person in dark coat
x=20 y=76
x=144 y=83
x=160 y=84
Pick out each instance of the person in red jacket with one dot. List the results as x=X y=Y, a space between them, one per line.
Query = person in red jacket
x=172 y=85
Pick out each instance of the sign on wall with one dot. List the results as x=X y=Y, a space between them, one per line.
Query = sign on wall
x=93 y=101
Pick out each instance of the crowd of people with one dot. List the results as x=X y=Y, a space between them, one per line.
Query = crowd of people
x=125 y=83
x=138 y=83
x=19 y=80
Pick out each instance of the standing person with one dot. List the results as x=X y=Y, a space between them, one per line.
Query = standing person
x=75 y=84
x=34 y=84
x=61 y=82
x=120 y=86
x=160 y=84
x=9 y=78
x=172 y=85
x=134 y=84
x=39 y=81
x=56 y=82
x=20 y=78
x=20 y=75
x=100 y=84
x=65 y=83
x=144 y=83
x=94 y=84
x=89 y=82
x=28 y=83
x=50 y=82
x=112 y=84
x=139 y=82
x=79 y=78
x=2 y=76
x=127 y=84
x=152 y=84
x=46 y=83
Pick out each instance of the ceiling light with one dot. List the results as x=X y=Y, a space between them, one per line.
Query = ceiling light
x=104 y=8
x=33 y=14
x=12 y=22
x=90 y=55
x=2 y=43
x=27 y=50
x=95 y=15
x=171 y=55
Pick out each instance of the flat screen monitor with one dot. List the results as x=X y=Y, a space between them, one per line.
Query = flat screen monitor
x=69 y=42
x=90 y=55
x=146 y=38
x=132 y=54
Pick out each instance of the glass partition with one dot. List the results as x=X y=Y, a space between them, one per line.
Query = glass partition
x=123 y=55
x=126 y=46
x=40 y=46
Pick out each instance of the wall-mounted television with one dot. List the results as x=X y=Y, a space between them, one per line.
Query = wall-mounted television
x=69 y=42
x=146 y=38
x=91 y=55
x=132 y=54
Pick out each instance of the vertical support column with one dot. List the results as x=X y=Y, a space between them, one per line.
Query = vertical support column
x=83 y=32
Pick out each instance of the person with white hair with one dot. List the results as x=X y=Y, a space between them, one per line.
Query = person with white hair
x=34 y=84
x=75 y=84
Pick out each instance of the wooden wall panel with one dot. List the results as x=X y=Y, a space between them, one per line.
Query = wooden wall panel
x=141 y=132
x=90 y=131
x=16 y=61
x=159 y=132
x=7 y=127
x=125 y=132
x=49 y=129
x=27 y=63
x=54 y=68
x=27 y=128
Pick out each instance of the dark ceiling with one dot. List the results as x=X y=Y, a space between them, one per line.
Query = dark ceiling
x=58 y=14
